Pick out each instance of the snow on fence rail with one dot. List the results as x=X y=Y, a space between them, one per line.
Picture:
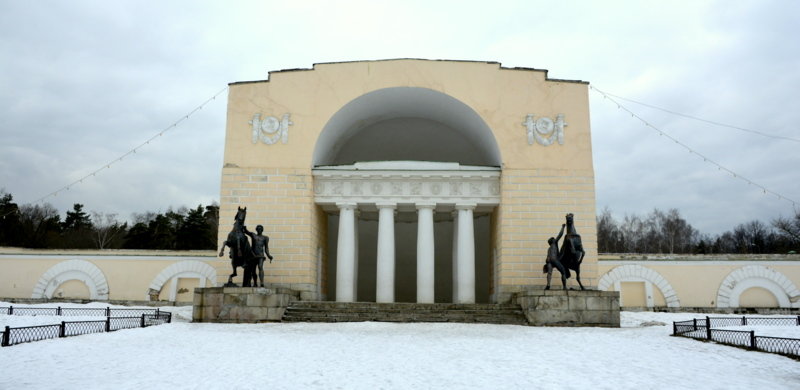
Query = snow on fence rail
x=704 y=329
x=12 y=336
x=75 y=311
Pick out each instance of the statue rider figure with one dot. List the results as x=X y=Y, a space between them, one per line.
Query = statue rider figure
x=554 y=260
x=261 y=251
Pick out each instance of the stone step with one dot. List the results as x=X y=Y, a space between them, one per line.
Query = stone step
x=305 y=311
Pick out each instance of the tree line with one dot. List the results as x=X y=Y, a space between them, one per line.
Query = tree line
x=668 y=232
x=41 y=226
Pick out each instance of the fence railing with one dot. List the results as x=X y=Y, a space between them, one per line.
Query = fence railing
x=12 y=336
x=707 y=329
x=75 y=311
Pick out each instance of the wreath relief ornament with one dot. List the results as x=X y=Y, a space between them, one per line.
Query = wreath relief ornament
x=270 y=129
x=544 y=130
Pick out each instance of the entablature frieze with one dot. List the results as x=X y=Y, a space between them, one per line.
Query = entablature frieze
x=452 y=187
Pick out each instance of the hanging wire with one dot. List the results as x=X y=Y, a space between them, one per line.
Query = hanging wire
x=705 y=158
x=761 y=133
x=132 y=151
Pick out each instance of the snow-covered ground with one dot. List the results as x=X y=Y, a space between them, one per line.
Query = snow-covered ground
x=183 y=355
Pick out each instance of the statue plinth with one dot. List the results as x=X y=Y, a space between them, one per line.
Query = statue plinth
x=241 y=304
x=569 y=307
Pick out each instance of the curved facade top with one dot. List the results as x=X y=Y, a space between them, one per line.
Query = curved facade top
x=294 y=145
x=349 y=94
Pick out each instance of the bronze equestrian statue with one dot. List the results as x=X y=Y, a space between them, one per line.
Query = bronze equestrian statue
x=570 y=256
x=241 y=253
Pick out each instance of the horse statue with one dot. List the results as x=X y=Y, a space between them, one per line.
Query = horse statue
x=241 y=253
x=571 y=253
x=569 y=257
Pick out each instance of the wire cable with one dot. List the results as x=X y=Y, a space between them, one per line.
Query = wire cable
x=132 y=151
x=692 y=151
x=761 y=133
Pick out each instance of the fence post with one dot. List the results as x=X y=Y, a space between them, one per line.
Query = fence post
x=108 y=324
x=753 y=339
x=58 y=311
x=142 y=323
x=62 y=331
x=11 y=311
x=744 y=320
x=108 y=311
x=798 y=320
x=694 y=322
x=708 y=327
x=6 y=337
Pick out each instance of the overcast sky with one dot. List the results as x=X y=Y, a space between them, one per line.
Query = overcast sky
x=82 y=82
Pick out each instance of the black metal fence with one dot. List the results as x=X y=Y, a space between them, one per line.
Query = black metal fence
x=707 y=329
x=12 y=336
x=75 y=311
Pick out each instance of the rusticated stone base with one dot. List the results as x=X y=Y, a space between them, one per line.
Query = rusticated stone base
x=570 y=307
x=241 y=304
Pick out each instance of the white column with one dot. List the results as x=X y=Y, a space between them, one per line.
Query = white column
x=466 y=254
x=345 y=254
x=455 y=256
x=425 y=253
x=384 y=283
x=356 y=213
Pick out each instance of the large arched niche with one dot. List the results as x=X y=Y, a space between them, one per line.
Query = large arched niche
x=406 y=123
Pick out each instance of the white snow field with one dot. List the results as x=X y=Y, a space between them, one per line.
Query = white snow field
x=370 y=355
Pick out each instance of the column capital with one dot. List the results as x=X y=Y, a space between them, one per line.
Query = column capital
x=386 y=205
x=425 y=205
x=347 y=205
x=466 y=206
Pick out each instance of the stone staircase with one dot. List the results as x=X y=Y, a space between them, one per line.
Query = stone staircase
x=308 y=311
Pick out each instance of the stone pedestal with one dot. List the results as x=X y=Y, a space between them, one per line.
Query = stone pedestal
x=241 y=304
x=569 y=307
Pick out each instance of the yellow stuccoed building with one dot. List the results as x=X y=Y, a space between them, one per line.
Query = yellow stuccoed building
x=329 y=158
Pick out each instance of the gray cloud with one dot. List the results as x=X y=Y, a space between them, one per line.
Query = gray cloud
x=85 y=81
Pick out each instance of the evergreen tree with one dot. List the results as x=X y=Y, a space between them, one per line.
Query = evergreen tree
x=77 y=229
x=10 y=225
x=77 y=219
x=195 y=232
x=138 y=237
x=162 y=232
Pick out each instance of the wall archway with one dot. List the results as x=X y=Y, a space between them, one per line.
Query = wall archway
x=406 y=123
x=750 y=276
x=638 y=273
x=80 y=270
x=182 y=269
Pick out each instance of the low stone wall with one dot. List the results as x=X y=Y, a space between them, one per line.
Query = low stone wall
x=569 y=307
x=241 y=304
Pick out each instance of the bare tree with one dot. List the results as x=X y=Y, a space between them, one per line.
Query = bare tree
x=106 y=229
x=789 y=227
x=664 y=232
x=144 y=218
x=676 y=233
x=632 y=233
x=609 y=236
x=39 y=224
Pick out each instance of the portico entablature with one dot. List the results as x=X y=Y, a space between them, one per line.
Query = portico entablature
x=407 y=183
